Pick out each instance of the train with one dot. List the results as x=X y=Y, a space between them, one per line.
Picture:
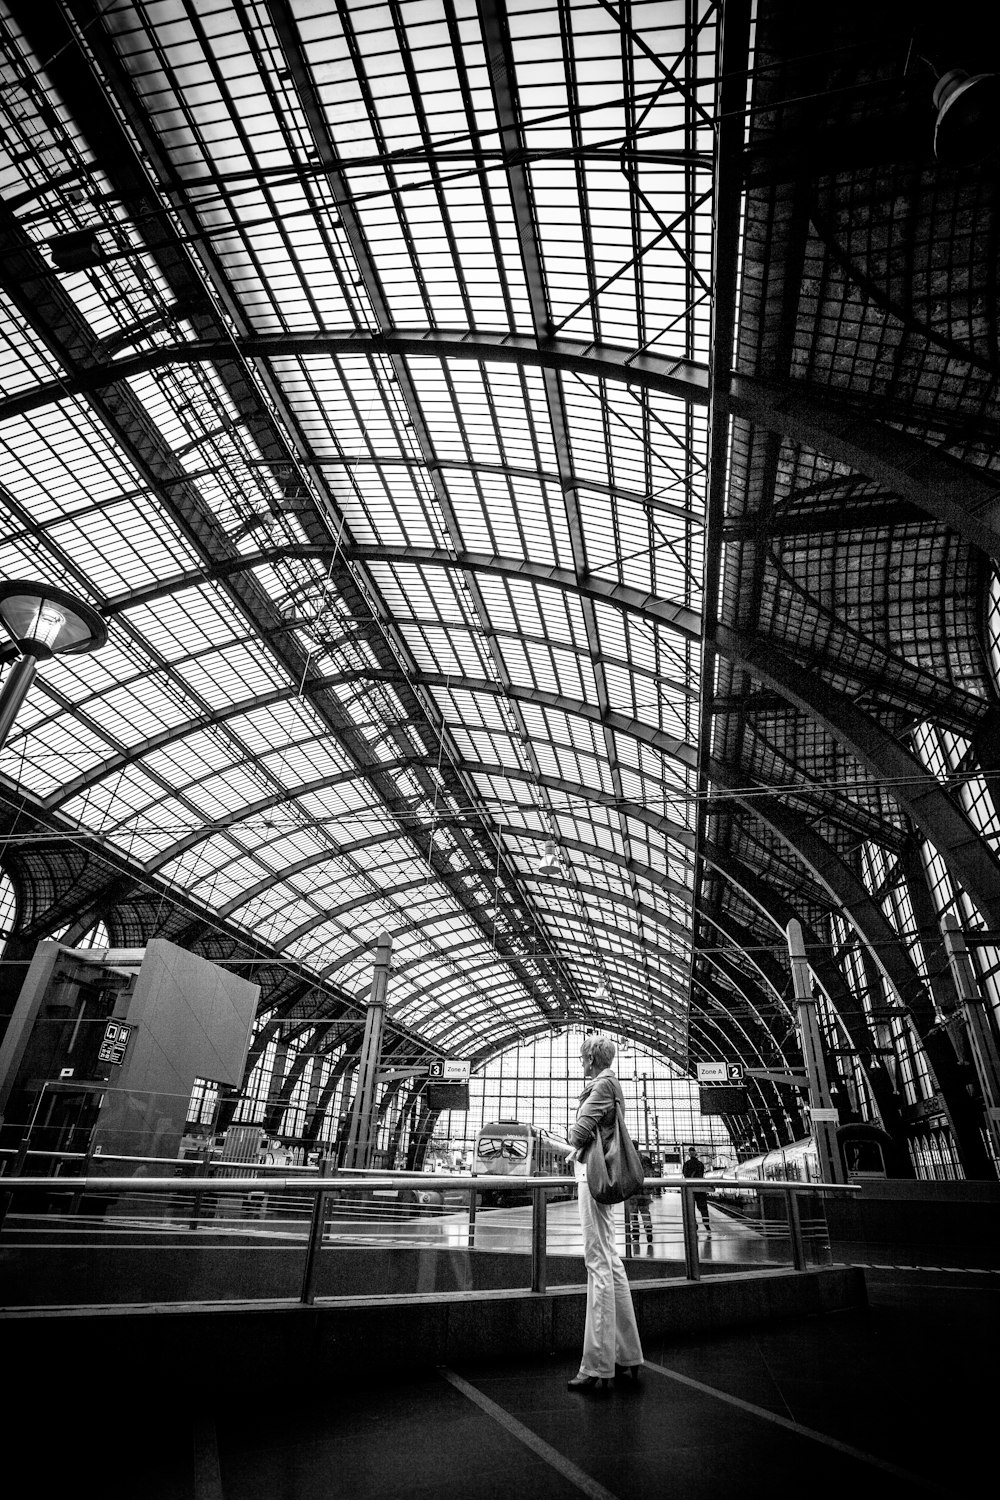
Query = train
x=866 y=1152
x=511 y=1148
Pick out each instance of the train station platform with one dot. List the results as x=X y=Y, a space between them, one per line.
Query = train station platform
x=889 y=1396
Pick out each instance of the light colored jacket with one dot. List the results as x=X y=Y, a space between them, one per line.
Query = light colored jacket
x=597 y=1109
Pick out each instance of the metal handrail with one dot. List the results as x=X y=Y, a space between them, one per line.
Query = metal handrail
x=323 y=1187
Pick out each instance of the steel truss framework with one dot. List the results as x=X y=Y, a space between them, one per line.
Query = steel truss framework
x=483 y=429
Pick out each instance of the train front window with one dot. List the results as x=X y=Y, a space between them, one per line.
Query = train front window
x=491 y=1148
x=864 y=1158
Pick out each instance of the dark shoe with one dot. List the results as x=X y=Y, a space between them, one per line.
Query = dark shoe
x=589 y=1382
x=628 y=1373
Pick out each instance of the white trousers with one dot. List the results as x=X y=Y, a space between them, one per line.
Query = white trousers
x=611 y=1336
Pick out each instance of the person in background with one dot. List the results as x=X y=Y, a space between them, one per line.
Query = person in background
x=611 y=1346
x=636 y=1207
x=695 y=1167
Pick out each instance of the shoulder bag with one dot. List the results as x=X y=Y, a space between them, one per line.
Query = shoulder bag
x=615 y=1172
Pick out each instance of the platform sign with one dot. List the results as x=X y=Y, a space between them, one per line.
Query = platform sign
x=451 y=1069
x=115 y=1043
x=720 y=1072
x=714 y=1072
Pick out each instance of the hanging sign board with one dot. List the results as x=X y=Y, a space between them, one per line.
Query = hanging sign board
x=723 y=1099
x=450 y=1068
x=720 y=1072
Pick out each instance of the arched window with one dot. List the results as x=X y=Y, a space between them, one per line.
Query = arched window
x=97 y=937
x=993 y=627
x=8 y=908
x=539 y=1082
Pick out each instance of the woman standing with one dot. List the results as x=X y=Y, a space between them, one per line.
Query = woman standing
x=611 y=1339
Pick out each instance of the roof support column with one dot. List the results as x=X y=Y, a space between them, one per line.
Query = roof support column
x=822 y=1114
x=360 y=1139
x=847 y=890
x=831 y=981
x=948 y=1050
x=973 y=1010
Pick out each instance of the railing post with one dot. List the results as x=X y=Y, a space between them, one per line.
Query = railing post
x=795 y=1229
x=692 y=1264
x=315 y=1242
x=85 y=1171
x=203 y=1169
x=472 y=1217
x=538 y=1239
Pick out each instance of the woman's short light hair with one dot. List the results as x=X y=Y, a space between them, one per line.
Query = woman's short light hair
x=599 y=1051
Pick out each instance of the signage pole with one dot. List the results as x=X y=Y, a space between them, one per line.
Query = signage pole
x=361 y=1137
x=821 y=1110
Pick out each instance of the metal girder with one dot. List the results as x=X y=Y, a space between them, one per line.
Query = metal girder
x=730 y=136
x=49 y=310
x=492 y=15
x=841 y=996
x=323 y=461
x=832 y=874
x=955 y=494
x=641 y=1027
x=52 y=313
x=121 y=877
x=961 y=846
x=485 y=872
x=662 y=1007
x=725 y=1025
x=958 y=495
x=678 y=832
x=495 y=26
x=747 y=991
x=665 y=612
x=368 y=271
x=872 y=513
x=744 y=941
x=722 y=1017
x=592 y=851
x=572 y=788
x=687 y=380
x=663 y=955
x=895 y=682
x=657 y=739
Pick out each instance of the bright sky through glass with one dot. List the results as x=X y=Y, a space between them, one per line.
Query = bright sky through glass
x=384 y=618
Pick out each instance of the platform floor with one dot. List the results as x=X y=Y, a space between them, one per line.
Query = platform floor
x=895 y=1400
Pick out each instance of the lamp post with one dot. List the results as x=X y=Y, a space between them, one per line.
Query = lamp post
x=42 y=621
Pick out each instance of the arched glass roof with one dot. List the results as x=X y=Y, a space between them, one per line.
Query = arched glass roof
x=354 y=364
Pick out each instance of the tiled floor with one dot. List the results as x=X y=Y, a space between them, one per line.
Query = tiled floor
x=894 y=1401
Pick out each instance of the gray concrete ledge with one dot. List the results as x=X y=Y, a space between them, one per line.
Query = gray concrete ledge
x=245 y=1344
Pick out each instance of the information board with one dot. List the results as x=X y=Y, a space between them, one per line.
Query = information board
x=723 y=1099
x=447 y=1095
x=116 y=1039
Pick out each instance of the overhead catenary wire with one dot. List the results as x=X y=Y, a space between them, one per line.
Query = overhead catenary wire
x=683 y=797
